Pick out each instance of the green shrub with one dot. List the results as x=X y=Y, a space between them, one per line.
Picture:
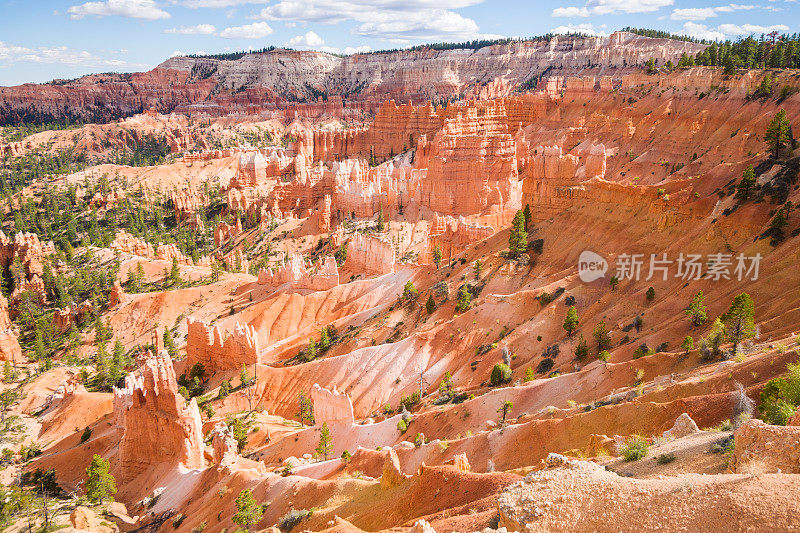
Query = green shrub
x=409 y=401
x=781 y=397
x=501 y=373
x=87 y=433
x=402 y=425
x=635 y=448
x=665 y=458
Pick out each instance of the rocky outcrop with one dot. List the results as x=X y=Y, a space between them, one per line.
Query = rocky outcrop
x=392 y=476
x=224 y=445
x=156 y=424
x=331 y=406
x=216 y=351
x=186 y=202
x=116 y=294
x=298 y=275
x=10 y=349
x=369 y=254
x=225 y=232
x=278 y=78
x=684 y=426
x=762 y=448
x=127 y=243
x=453 y=235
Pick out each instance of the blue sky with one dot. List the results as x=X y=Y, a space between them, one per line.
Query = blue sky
x=45 y=39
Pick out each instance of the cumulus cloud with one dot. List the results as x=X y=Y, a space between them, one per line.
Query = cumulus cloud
x=390 y=20
x=725 y=31
x=138 y=9
x=256 y=30
x=309 y=40
x=586 y=29
x=10 y=53
x=200 y=29
x=611 y=7
x=703 y=13
x=195 y=4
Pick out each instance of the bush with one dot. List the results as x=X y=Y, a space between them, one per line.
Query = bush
x=407 y=402
x=87 y=433
x=288 y=521
x=501 y=373
x=635 y=448
x=665 y=458
x=781 y=397
x=402 y=425
x=604 y=356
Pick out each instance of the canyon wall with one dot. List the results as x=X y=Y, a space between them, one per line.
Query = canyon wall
x=369 y=254
x=216 y=351
x=279 y=78
x=331 y=406
x=156 y=424
x=298 y=275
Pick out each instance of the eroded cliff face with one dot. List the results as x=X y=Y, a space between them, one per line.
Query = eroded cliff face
x=156 y=425
x=364 y=81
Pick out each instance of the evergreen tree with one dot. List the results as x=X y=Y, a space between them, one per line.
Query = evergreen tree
x=527 y=214
x=478 y=269
x=738 y=320
x=602 y=336
x=571 y=321
x=248 y=512
x=504 y=410
x=324 y=340
x=779 y=134
x=430 y=305
x=174 y=273
x=687 y=344
x=325 y=446
x=239 y=434
x=169 y=343
x=464 y=299
x=381 y=221
x=306 y=412
x=100 y=485
x=215 y=271
x=747 y=184
x=244 y=379
x=696 y=312
x=650 y=294
x=582 y=349
x=518 y=239
x=437 y=256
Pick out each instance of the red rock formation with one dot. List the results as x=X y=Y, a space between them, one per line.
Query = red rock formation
x=331 y=406
x=10 y=349
x=452 y=236
x=186 y=202
x=116 y=294
x=369 y=254
x=225 y=232
x=224 y=445
x=216 y=351
x=300 y=276
x=156 y=424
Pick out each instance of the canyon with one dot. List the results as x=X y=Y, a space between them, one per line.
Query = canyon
x=353 y=307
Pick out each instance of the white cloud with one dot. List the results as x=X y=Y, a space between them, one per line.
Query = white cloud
x=586 y=29
x=350 y=50
x=195 y=4
x=703 y=13
x=749 y=29
x=200 y=29
x=10 y=53
x=138 y=9
x=571 y=11
x=256 y=30
x=309 y=40
x=436 y=24
x=612 y=7
x=701 y=31
x=725 y=31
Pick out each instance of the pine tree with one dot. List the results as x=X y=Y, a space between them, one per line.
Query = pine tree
x=169 y=343
x=650 y=294
x=464 y=299
x=244 y=379
x=504 y=410
x=687 y=344
x=248 y=512
x=437 y=256
x=779 y=134
x=215 y=271
x=478 y=269
x=174 y=273
x=747 y=184
x=325 y=446
x=100 y=485
x=518 y=239
x=738 y=320
x=306 y=412
x=602 y=336
x=527 y=214
x=571 y=321
x=324 y=340
x=381 y=221
x=430 y=305
x=696 y=311
x=582 y=349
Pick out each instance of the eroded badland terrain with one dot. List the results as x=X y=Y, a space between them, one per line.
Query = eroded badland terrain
x=300 y=291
